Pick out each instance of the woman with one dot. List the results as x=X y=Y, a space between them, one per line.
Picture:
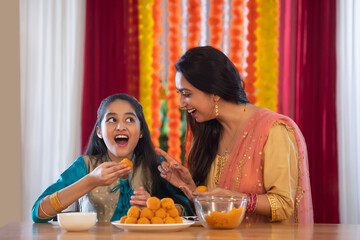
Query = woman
x=97 y=179
x=238 y=148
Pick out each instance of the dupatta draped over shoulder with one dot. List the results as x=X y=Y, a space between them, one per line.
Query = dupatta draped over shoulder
x=247 y=159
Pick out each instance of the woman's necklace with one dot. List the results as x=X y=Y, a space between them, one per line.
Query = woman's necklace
x=231 y=144
x=222 y=159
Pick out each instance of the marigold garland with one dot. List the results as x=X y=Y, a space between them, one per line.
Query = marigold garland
x=146 y=31
x=156 y=85
x=215 y=23
x=251 y=58
x=267 y=54
x=193 y=40
x=173 y=114
x=194 y=23
x=132 y=58
x=236 y=32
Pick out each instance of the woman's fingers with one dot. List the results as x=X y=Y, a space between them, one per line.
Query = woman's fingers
x=166 y=156
x=187 y=192
x=165 y=166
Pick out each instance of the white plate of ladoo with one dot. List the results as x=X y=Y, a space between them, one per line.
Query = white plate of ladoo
x=153 y=227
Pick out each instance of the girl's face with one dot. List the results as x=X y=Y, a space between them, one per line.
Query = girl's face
x=199 y=104
x=120 y=130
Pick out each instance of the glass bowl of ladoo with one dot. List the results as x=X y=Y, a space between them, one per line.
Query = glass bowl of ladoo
x=220 y=212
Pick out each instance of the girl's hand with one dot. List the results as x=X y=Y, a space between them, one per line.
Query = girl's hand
x=175 y=173
x=108 y=172
x=139 y=198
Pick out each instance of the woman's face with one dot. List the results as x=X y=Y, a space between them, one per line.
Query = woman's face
x=120 y=130
x=199 y=104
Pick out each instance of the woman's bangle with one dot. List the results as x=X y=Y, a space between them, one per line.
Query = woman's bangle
x=42 y=210
x=55 y=203
x=252 y=202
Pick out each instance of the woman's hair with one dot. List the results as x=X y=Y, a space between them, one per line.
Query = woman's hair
x=144 y=151
x=212 y=72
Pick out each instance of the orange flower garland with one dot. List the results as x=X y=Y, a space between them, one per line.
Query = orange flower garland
x=251 y=58
x=193 y=40
x=215 y=22
x=155 y=87
x=172 y=98
x=267 y=54
x=194 y=23
x=132 y=58
x=236 y=32
x=146 y=32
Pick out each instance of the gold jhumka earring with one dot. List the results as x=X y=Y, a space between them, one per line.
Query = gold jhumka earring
x=216 y=109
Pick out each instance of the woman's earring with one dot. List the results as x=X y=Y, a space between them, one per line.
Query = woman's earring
x=216 y=109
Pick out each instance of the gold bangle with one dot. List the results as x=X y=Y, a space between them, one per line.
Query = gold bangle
x=42 y=210
x=180 y=209
x=55 y=203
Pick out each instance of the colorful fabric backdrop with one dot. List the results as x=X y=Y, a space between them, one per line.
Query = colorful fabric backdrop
x=284 y=49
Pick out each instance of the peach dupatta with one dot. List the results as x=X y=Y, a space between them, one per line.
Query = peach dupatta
x=246 y=160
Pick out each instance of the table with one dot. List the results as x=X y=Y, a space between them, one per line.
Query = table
x=250 y=231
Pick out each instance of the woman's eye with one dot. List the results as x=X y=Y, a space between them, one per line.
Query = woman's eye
x=184 y=93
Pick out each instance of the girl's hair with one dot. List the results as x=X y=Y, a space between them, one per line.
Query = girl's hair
x=144 y=151
x=212 y=72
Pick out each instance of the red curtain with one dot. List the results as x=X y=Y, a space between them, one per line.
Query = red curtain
x=285 y=58
x=315 y=109
x=109 y=46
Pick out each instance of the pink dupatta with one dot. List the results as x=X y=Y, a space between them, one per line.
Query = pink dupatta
x=243 y=172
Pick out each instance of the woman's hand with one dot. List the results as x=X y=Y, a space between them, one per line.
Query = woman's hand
x=139 y=198
x=218 y=192
x=108 y=172
x=175 y=173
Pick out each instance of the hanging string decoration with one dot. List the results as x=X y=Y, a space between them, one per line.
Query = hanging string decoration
x=203 y=24
x=226 y=25
x=251 y=58
x=267 y=54
x=236 y=32
x=174 y=19
x=146 y=42
x=156 y=84
x=215 y=23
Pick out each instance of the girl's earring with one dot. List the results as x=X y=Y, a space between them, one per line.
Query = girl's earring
x=216 y=109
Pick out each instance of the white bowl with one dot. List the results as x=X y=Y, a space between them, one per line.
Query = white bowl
x=77 y=221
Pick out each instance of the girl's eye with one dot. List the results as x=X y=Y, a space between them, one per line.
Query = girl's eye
x=111 y=120
x=130 y=119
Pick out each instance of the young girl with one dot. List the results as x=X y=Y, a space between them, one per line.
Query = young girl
x=98 y=181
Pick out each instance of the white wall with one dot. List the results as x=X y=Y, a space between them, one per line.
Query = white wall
x=10 y=170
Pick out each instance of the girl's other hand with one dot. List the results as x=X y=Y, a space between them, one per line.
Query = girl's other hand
x=140 y=198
